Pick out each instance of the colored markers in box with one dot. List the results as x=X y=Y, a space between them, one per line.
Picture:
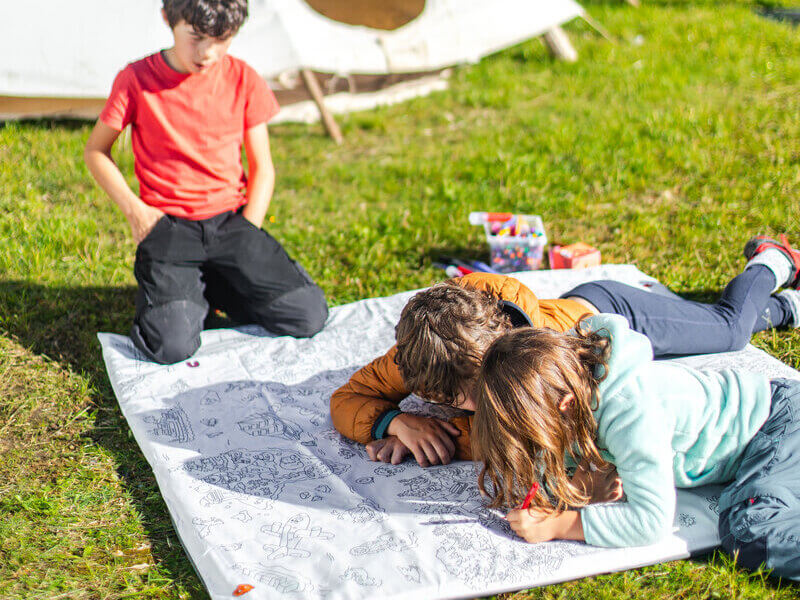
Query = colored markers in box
x=516 y=226
x=516 y=242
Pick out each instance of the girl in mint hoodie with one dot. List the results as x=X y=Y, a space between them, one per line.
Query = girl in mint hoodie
x=547 y=401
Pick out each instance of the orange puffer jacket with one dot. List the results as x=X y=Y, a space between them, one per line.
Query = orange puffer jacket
x=378 y=387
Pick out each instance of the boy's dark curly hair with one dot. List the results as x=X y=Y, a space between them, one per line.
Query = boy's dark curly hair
x=441 y=337
x=215 y=18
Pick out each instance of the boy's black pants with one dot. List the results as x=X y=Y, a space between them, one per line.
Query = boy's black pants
x=183 y=266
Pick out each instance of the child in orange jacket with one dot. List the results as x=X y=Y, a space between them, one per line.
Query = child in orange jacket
x=444 y=330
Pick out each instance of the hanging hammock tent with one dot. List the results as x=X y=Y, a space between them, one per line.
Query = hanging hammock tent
x=362 y=51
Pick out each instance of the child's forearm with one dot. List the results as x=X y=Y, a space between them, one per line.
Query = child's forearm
x=570 y=525
x=260 y=185
x=110 y=179
x=535 y=525
x=141 y=217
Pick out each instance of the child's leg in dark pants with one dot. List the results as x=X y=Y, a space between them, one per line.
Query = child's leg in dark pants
x=170 y=306
x=760 y=511
x=678 y=326
x=250 y=276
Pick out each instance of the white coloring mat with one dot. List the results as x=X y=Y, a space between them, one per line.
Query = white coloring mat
x=264 y=492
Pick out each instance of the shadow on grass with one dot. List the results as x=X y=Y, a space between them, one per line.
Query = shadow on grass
x=70 y=124
x=705 y=296
x=61 y=323
x=461 y=252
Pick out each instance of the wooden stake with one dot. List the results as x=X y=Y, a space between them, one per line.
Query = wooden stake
x=558 y=43
x=597 y=27
x=312 y=85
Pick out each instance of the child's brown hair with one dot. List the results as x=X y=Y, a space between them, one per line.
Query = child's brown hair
x=215 y=18
x=441 y=337
x=519 y=432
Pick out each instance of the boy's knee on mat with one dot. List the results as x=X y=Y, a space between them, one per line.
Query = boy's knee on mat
x=169 y=333
x=301 y=312
x=176 y=349
x=750 y=552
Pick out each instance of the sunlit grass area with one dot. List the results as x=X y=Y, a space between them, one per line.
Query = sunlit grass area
x=667 y=149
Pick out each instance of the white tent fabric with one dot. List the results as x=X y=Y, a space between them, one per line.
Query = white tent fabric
x=345 y=102
x=52 y=48
x=263 y=491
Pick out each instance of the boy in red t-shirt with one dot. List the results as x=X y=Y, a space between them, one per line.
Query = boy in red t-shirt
x=197 y=219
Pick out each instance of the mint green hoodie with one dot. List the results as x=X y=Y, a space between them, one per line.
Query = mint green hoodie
x=663 y=426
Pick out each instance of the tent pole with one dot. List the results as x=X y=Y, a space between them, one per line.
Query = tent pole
x=312 y=85
x=597 y=27
x=558 y=43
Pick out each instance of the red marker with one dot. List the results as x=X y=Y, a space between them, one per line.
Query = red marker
x=527 y=502
x=531 y=493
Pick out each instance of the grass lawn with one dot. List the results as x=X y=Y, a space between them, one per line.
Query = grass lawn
x=668 y=149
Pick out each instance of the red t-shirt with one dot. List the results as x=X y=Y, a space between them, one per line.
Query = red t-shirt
x=188 y=130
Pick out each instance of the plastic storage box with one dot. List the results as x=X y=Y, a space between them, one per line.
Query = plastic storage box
x=509 y=253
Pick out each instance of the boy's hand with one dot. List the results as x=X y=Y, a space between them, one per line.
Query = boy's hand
x=388 y=450
x=260 y=174
x=97 y=154
x=142 y=221
x=602 y=485
x=430 y=440
x=536 y=526
x=256 y=217
x=607 y=485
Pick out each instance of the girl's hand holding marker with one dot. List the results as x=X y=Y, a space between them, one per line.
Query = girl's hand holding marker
x=535 y=525
x=529 y=523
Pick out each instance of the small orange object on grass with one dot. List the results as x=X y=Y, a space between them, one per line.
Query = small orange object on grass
x=241 y=590
x=574 y=256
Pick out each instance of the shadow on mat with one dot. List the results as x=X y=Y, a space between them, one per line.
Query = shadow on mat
x=266 y=454
x=268 y=440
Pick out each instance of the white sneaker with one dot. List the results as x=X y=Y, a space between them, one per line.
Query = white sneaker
x=793 y=298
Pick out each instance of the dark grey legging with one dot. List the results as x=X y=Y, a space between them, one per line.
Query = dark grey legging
x=678 y=326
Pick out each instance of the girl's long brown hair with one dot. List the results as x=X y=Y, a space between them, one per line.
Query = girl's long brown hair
x=519 y=433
